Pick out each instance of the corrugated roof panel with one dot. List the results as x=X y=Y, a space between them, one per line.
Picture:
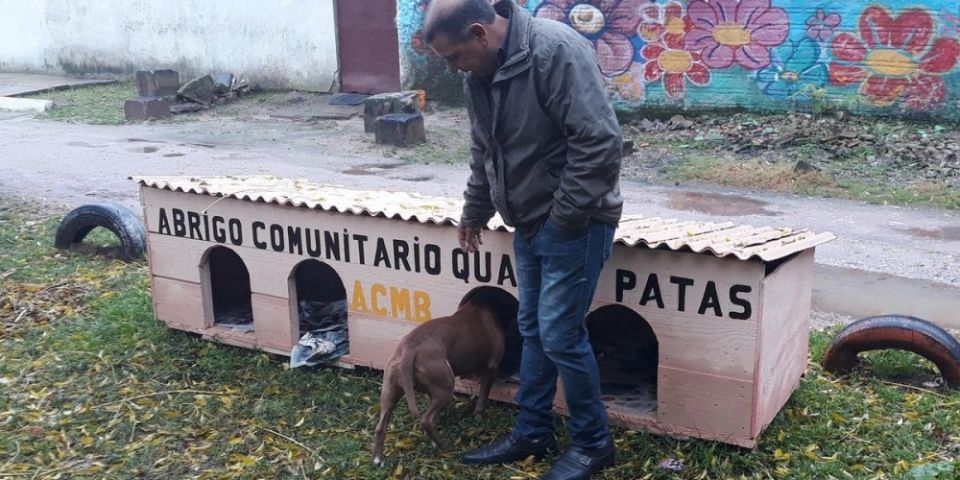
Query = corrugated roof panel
x=720 y=239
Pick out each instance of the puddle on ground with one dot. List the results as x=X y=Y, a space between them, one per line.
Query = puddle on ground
x=142 y=140
x=144 y=150
x=859 y=293
x=373 y=168
x=942 y=233
x=717 y=204
x=84 y=144
x=168 y=155
x=423 y=178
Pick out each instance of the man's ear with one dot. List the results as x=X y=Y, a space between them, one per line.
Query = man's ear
x=479 y=31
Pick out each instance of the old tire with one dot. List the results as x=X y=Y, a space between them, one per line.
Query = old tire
x=900 y=332
x=118 y=219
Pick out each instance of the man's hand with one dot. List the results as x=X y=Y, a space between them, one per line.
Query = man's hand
x=470 y=238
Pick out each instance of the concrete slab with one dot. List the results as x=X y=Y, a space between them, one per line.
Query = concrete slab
x=19 y=84
x=14 y=104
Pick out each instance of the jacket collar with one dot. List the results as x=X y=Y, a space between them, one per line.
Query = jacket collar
x=518 y=41
x=517 y=49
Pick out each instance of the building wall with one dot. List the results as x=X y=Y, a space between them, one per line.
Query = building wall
x=893 y=57
x=279 y=43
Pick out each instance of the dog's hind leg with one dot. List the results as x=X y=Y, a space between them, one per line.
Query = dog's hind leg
x=440 y=388
x=486 y=382
x=389 y=396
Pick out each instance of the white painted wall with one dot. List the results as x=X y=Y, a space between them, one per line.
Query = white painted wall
x=278 y=43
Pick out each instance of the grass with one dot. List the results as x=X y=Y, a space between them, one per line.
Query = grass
x=708 y=168
x=92 y=386
x=95 y=104
x=445 y=145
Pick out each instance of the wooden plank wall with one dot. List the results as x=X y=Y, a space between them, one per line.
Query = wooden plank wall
x=784 y=336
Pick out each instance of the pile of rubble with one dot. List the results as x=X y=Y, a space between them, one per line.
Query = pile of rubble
x=159 y=93
x=928 y=150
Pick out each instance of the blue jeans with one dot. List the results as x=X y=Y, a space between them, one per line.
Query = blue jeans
x=557 y=273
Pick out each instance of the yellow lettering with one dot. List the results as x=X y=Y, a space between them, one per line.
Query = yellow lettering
x=421 y=302
x=375 y=291
x=400 y=302
x=359 y=303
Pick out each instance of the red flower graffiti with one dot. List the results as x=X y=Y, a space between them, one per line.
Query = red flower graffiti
x=666 y=27
x=728 y=31
x=894 y=57
x=607 y=23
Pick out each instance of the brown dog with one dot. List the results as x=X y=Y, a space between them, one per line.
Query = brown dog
x=472 y=341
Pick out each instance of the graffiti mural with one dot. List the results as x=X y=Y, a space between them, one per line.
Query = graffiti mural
x=897 y=57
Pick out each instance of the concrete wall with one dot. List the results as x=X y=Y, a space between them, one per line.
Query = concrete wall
x=892 y=57
x=279 y=43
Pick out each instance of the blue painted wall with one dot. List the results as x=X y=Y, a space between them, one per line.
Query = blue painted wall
x=893 y=57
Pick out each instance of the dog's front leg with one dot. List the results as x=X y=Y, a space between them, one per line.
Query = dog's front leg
x=486 y=382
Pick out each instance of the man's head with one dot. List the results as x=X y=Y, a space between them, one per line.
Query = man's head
x=465 y=34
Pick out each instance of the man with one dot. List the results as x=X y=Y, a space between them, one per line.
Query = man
x=546 y=156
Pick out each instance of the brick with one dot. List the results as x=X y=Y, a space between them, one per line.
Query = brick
x=387 y=103
x=141 y=109
x=159 y=83
x=400 y=129
x=223 y=82
x=199 y=90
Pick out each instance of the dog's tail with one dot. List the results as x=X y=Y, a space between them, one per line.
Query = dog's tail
x=407 y=382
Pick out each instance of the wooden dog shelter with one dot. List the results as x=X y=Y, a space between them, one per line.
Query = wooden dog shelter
x=700 y=329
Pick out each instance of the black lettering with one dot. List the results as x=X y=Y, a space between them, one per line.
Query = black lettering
x=179 y=229
x=360 y=248
x=506 y=271
x=236 y=232
x=478 y=267
x=400 y=251
x=332 y=241
x=416 y=254
x=193 y=220
x=461 y=265
x=682 y=283
x=219 y=233
x=276 y=238
x=257 y=226
x=164 y=222
x=710 y=300
x=651 y=291
x=295 y=240
x=346 y=247
x=206 y=227
x=626 y=280
x=431 y=259
x=381 y=256
x=313 y=247
x=740 y=302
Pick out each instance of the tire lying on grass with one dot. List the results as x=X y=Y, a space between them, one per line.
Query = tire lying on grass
x=900 y=332
x=118 y=219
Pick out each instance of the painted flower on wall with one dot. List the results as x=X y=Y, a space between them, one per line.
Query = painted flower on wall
x=895 y=57
x=794 y=65
x=728 y=32
x=663 y=22
x=820 y=26
x=628 y=86
x=667 y=57
x=609 y=24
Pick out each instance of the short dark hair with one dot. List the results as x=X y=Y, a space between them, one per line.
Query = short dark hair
x=454 y=20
